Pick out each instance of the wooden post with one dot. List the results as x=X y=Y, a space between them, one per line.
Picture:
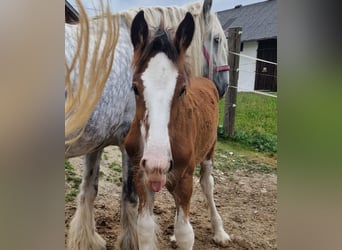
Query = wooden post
x=234 y=38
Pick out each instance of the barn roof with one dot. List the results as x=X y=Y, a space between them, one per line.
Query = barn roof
x=258 y=21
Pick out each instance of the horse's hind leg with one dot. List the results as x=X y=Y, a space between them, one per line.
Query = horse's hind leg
x=207 y=185
x=128 y=239
x=82 y=234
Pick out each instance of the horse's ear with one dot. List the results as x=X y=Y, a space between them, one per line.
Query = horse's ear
x=139 y=31
x=185 y=33
x=206 y=8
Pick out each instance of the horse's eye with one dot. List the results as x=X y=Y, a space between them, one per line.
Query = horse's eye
x=135 y=89
x=217 y=39
x=182 y=91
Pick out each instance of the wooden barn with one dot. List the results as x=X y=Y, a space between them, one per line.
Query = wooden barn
x=258 y=40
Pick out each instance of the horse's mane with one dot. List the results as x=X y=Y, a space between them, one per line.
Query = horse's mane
x=171 y=16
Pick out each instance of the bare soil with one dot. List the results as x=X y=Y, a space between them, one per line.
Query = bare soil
x=246 y=201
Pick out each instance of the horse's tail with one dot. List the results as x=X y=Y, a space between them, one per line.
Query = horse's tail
x=93 y=70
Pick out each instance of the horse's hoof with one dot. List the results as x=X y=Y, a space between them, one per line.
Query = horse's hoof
x=173 y=242
x=222 y=239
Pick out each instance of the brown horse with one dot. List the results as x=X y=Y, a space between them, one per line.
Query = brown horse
x=173 y=130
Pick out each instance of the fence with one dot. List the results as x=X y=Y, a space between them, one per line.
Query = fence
x=230 y=101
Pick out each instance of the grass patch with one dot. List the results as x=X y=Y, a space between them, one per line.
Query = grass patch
x=232 y=156
x=115 y=166
x=114 y=179
x=263 y=169
x=72 y=178
x=197 y=171
x=105 y=156
x=255 y=122
x=71 y=195
x=116 y=176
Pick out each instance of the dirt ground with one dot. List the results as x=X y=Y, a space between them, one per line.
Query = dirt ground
x=246 y=201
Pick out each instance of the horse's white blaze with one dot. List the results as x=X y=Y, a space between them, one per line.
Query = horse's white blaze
x=183 y=231
x=146 y=229
x=159 y=80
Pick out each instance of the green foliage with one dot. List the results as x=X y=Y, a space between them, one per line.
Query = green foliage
x=255 y=122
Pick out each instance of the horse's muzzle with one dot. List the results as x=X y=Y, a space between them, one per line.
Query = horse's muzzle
x=156 y=173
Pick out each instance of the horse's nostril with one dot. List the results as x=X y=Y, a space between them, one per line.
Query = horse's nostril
x=143 y=163
x=171 y=166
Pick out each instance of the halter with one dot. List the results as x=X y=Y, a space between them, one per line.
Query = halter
x=217 y=68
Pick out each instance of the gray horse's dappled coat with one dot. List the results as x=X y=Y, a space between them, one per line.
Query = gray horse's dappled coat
x=111 y=118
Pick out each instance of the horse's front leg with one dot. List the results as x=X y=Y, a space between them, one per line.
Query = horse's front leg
x=82 y=233
x=147 y=229
x=128 y=239
x=183 y=231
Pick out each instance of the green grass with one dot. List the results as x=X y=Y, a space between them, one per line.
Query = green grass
x=255 y=122
x=232 y=156
x=105 y=156
x=115 y=166
x=71 y=195
x=71 y=177
x=114 y=177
